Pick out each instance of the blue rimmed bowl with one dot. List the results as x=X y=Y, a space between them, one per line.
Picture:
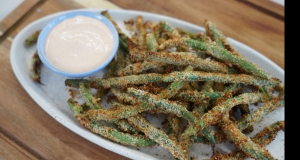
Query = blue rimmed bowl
x=47 y=30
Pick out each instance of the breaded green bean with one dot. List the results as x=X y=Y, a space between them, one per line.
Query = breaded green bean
x=138 y=105
x=90 y=100
x=187 y=34
x=174 y=87
x=194 y=128
x=152 y=44
x=140 y=28
x=112 y=67
x=215 y=114
x=139 y=67
x=245 y=111
x=191 y=130
x=123 y=41
x=240 y=111
x=169 y=30
x=108 y=16
x=217 y=36
x=185 y=145
x=32 y=39
x=178 y=58
x=228 y=57
x=126 y=127
x=35 y=67
x=172 y=123
x=108 y=132
x=118 y=63
x=122 y=36
x=157 y=32
x=263 y=138
x=259 y=114
x=229 y=91
x=184 y=59
x=196 y=97
x=158 y=136
x=114 y=113
x=74 y=106
x=166 y=105
x=121 y=59
x=169 y=92
x=198 y=111
x=246 y=121
x=123 y=96
x=213 y=33
x=119 y=137
x=280 y=89
x=219 y=53
x=267 y=135
x=175 y=76
x=219 y=136
x=244 y=142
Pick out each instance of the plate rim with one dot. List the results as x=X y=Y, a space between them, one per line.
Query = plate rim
x=79 y=130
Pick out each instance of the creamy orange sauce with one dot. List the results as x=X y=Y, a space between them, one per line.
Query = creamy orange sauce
x=78 y=44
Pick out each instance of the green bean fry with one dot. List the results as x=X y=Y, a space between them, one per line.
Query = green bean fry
x=204 y=89
x=35 y=67
x=32 y=39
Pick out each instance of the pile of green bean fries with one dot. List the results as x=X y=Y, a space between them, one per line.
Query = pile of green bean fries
x=198 y=78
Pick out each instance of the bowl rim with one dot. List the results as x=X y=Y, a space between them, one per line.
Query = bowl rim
x=47 y=29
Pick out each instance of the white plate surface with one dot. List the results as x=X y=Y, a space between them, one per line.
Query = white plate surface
x=53 y=95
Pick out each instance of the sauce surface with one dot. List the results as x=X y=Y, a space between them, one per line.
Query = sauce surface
x=78 y=44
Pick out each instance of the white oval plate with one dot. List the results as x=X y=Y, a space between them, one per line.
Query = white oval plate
x=53 y=95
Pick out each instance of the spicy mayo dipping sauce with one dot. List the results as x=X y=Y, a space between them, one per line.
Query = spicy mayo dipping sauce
x=79 y=44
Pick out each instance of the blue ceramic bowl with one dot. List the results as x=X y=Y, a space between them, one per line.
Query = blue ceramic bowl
x=46 y=30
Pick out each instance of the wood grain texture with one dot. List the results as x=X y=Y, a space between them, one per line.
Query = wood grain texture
x=26 y=130
x=269 y=5
x=11 y=149
x=16 y=14
x=237 y=20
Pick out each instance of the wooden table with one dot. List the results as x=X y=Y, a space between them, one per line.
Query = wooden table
x=28 y=132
